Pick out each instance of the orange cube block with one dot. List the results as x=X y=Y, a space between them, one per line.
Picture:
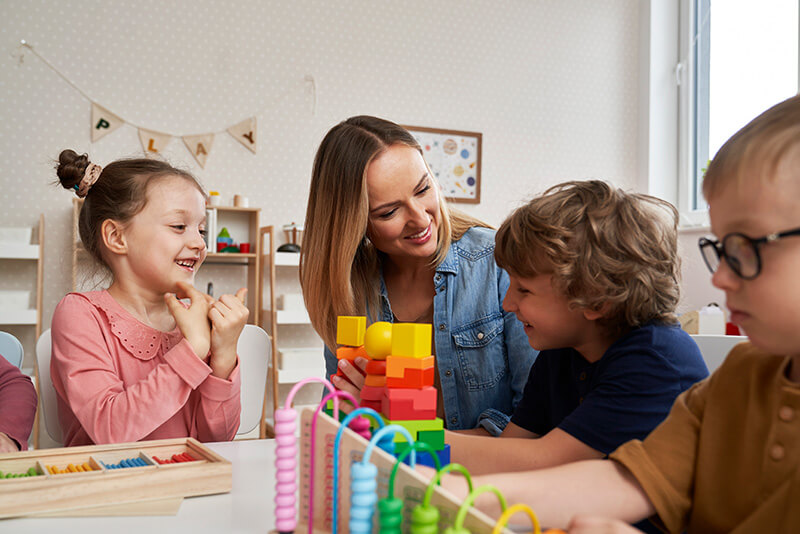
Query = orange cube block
x=375 y=381
x=351 y=353
x=412 y=378
x=397 y=365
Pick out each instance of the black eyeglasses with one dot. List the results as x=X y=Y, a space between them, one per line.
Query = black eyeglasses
x=740 y=252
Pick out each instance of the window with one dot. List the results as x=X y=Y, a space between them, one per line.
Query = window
x=738 y=58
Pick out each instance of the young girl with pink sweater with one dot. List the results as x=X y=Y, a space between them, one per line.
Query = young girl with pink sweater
x=132 y=362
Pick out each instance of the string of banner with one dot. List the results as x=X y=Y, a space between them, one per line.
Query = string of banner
x=105 y=122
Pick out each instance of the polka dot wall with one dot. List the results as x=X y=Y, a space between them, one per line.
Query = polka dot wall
x=552 y=85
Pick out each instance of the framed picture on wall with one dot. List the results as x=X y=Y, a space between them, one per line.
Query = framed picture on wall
x=455 y=160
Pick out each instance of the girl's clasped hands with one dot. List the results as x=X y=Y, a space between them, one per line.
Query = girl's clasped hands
x=211 y=327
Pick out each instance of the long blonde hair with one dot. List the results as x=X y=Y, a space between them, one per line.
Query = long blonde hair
x=339 y=266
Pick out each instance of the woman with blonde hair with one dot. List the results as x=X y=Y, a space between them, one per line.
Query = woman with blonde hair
x=380 y=241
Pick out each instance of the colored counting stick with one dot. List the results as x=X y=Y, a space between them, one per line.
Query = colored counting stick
x=363 y=484
x=390 y=509
x=32 y=472
x=347 y=420
x=175 y=459
x=286 y=457
x=70 y=468
x=458 y=526
x=424 y=517
x=511 y=510
x=130 y=462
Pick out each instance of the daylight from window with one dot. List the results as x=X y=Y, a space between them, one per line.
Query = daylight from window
x=753 y=62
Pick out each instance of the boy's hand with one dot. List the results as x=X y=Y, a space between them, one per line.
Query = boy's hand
x=192 y=321
x=354 y=377
x=228 y=316
x=599 y=525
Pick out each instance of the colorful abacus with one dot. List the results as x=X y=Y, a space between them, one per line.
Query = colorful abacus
x=390 y=508
x=286 y=458
x=363 y=484
x=385 y=444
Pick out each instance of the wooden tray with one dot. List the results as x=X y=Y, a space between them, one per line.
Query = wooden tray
x=151 y=489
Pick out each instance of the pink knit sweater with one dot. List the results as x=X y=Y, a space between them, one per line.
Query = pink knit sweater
x=119 y=380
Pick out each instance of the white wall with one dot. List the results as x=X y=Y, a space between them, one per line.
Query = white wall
x=552 y=85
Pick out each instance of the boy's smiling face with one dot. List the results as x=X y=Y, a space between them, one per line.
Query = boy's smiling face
x=545 y=313
x=767 y=307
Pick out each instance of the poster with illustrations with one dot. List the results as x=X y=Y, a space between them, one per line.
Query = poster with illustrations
x=455 y=160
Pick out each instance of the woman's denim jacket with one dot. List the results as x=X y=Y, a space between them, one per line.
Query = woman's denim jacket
x=482 y=352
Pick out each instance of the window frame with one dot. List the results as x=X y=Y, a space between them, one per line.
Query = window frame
x=688 y=190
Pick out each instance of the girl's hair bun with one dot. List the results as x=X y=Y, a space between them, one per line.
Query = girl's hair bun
x=71 y=168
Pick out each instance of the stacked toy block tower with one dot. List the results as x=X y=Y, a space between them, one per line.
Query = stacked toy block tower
x=409 y=397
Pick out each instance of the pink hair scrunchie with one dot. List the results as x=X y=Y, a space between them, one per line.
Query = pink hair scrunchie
x=90 y=176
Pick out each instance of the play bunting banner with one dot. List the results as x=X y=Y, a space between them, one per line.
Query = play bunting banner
x=199 y=146
x=153 y=142
x=245 y=133
x=104 y=122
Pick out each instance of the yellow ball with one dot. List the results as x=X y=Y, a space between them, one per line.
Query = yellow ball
x=378 y=340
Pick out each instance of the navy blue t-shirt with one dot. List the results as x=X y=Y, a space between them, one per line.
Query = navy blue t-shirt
x=622 y=396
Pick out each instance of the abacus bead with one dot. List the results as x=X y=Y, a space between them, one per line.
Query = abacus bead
x=390 y=515
x=425 y=520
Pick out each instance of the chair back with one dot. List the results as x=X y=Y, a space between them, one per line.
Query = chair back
x=11 y=349
x=715 y=348
x=47 y=393
x=254 y=350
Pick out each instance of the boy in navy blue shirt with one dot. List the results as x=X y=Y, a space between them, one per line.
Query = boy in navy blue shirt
x=594 y=280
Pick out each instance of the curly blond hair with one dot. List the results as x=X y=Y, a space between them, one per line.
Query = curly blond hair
x=606 y=249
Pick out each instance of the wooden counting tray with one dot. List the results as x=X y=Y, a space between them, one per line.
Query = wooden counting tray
x=153 y=488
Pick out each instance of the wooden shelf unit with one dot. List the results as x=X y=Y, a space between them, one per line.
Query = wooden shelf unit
x=273 y=318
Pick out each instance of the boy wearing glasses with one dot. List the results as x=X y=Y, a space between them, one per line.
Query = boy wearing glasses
x=727 y=458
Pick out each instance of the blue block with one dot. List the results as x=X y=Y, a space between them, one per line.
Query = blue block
x=424 y=458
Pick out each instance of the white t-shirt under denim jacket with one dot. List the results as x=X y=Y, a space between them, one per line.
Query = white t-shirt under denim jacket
x=482 y=353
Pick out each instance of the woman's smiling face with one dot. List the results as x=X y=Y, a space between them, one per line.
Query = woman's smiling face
x=404 y=208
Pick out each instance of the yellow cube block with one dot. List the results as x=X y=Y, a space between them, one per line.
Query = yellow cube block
x=350 y=330
x=411 y=340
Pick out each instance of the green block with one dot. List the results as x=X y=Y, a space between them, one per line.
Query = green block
x=414 y=427
x=434 y=438
x=436 y=443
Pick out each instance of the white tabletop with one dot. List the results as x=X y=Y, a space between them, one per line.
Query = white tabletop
x=249 y=507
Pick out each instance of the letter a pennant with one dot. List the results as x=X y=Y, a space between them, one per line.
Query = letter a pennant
x=153 y=142
x=245 y=133
x=103 y=122
x=199 y=146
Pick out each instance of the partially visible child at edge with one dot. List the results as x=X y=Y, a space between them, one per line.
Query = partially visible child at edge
x=727 y=458
x=132 y=362
x=594 y=281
